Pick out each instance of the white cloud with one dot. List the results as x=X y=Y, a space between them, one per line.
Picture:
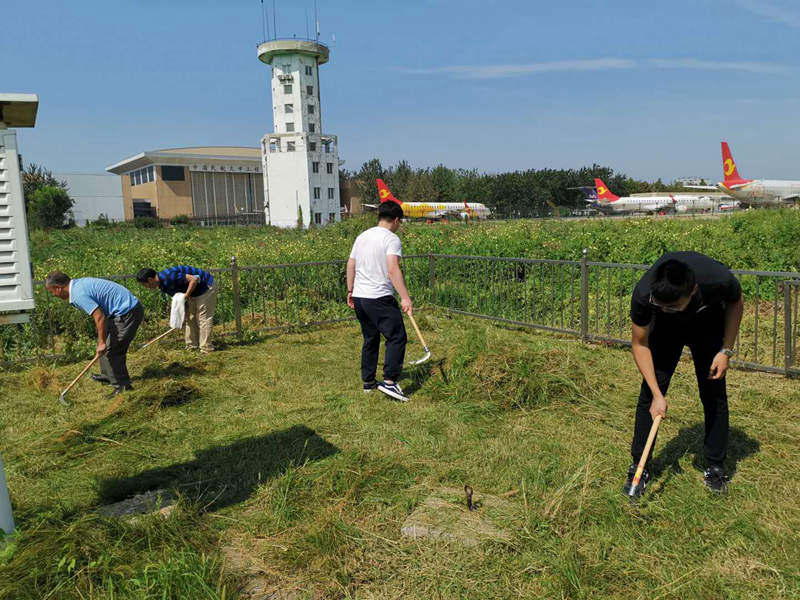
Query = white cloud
x=772 y=11
x=497 y=71
x=597 y=64
x=716 y=65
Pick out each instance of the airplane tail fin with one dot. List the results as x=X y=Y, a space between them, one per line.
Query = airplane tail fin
x=384 y=193
x=729 y=170
x=603 y=193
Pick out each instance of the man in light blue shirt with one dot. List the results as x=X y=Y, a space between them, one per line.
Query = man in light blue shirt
x=117 y=314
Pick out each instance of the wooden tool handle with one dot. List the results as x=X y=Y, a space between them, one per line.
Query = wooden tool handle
x=643 y=460
x=82 y=373
x=155 y=339
x=419 y=335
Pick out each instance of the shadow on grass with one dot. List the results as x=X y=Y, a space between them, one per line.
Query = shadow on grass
x=418 y=374
x=224 y=475
x=690 y=441
x=171 y=370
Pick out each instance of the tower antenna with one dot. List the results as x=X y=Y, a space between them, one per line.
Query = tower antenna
x=274 y=21
x=316 y=18
x=263 y=22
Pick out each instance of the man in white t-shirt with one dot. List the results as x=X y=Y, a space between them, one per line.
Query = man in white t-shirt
x=373 y=274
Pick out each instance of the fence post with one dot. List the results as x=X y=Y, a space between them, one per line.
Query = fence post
x=585 y=295
x=237 y=298
x=787 y=326
x=432 y=278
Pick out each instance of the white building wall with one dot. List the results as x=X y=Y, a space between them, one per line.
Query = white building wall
x=94 y=194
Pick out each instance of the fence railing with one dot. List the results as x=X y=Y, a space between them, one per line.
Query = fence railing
x=580 y=298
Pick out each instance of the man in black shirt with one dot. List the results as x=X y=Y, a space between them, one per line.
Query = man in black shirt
x=685 y=299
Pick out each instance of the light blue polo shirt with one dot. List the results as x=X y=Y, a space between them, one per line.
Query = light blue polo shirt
x=89 y=293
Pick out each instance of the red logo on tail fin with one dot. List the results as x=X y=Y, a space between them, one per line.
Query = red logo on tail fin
x=384 y=193
x=603 y=193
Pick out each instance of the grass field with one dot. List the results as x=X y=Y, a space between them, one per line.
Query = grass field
x=765 y=239
x=290 y=480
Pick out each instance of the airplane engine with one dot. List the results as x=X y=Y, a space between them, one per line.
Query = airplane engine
x=681 y=208
x=463 y=216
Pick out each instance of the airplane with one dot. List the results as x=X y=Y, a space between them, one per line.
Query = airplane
x=752 y=192
x=608 y=202
x=433 y=210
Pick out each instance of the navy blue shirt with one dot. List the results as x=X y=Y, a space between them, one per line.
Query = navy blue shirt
x=716 y=285
x=173 y=280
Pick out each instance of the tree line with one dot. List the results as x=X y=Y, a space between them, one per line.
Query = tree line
x=527 y=193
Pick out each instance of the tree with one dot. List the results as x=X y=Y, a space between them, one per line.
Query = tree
x=49 y=207
x=35 y=177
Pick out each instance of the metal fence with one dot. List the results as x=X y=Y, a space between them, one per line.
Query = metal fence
x=591 y=300
x=580 y=298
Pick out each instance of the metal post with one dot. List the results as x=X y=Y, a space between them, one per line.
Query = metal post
x=585 y=295
x=237 y=298
x=432 y=277
x=6 y=518
x=787 y=326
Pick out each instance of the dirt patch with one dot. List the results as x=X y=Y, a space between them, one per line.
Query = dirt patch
x=156 y=501
x=444 y=516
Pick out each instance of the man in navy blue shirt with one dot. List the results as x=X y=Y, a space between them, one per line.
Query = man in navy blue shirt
x=201 y=299
x=117 y=314
x=685 y=299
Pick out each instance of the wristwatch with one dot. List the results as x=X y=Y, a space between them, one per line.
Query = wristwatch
x=728 y=352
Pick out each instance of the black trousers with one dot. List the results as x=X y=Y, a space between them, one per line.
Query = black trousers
x=120 y=332
x=703 y=333
x=381 y=316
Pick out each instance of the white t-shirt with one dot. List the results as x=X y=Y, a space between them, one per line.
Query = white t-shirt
x=372 y=271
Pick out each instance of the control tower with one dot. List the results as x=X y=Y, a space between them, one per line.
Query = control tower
x=300 y=163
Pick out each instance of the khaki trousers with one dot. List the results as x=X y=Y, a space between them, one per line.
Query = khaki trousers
x=199 y=321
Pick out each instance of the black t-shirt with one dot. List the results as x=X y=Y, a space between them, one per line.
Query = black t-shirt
x=716 y=286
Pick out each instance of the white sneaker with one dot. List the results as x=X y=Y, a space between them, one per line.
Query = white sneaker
x=393 y=390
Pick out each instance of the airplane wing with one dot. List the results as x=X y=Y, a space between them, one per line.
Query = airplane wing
x=702 y=187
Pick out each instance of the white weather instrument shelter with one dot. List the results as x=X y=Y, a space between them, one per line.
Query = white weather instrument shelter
x=16 y=280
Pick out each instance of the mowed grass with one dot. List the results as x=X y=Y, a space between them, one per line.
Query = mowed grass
x=292 y=481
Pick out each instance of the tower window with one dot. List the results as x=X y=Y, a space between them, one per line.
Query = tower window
x=318 y=218
x=290 y=146
x=316 y=193
x=312 y=128
x=330 y=193
x=331 y=217
x=288 y=108
x=287 y=89
x=329 y=168
x=311 y=109
x=309 y=70
x=312 y=146
x=310 y=90
x=289 y=127
x=315 y=167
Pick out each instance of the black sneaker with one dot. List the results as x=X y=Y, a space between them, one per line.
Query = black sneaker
x=393 y=390
x=643 y=480
x=100 y=378
x=372 y=385
x=118 y=389
x=716 y=480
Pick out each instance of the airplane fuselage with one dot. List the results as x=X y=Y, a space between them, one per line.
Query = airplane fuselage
x=763 y=191
x=653 y=204
x=437 y=210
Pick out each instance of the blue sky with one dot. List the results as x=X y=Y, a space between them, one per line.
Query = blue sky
x=647 y=88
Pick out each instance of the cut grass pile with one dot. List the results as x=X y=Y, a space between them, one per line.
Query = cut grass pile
x=290 y=479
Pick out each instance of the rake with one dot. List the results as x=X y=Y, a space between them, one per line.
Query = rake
x=422 y=340
x=74 y=381
x=643 y=460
